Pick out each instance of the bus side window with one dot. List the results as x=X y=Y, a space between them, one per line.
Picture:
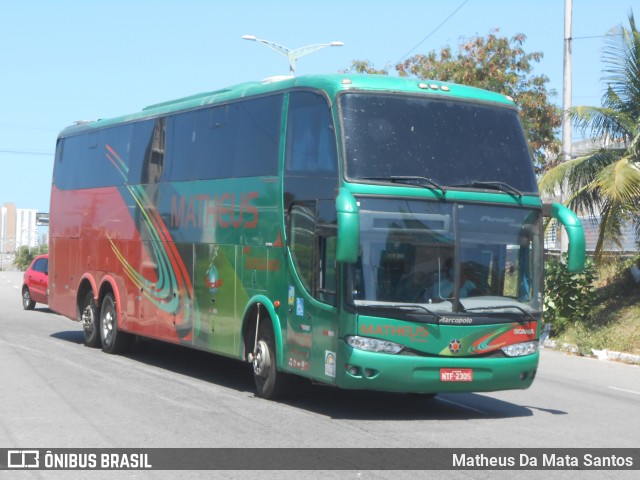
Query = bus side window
x=113 y=150
x=301 y=241
x=213 y=148
x=181 y=145
x=147 y=151
x=312 y=243
x=255 y=127
x=155 y=154
x=311 y=146
x=326 y=291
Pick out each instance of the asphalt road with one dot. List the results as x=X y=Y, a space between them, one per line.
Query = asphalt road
x=57 y=393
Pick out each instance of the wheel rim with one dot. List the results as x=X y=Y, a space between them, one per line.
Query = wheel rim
x=262 y=360
x=26 y=298
x=88 y=320
x=107 y=325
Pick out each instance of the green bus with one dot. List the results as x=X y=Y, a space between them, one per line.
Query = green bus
x=366 y=232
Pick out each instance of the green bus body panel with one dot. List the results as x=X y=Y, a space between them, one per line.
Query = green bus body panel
x=416 y=374
x=577 y=243
x=449 y=195
x=348 y=227
x=435 y=339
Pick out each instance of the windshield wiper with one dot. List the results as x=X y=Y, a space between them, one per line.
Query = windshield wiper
x=405 y=306
x=410 y=180
x=503 y=307
x=504 y=187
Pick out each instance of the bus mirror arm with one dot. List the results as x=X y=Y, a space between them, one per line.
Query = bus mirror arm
x=348 y=214
x=569 y=220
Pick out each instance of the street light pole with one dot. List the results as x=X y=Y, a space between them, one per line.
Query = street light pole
x=292 y=55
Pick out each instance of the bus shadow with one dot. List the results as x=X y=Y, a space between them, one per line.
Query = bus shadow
x=329 y=401
x=319 y=399
x=43 y=309
x=363 y=405
x=222 y=371
x=71 y=336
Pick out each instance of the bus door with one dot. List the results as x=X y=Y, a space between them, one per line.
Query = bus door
x=310 y=185
x=312 y=327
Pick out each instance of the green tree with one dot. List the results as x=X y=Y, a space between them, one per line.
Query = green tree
x=25 y=255
x=607 y=181
x=499 y=64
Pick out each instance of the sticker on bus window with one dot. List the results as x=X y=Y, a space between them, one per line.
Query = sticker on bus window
x=300 y=307
x=329 y=363
x=292 y=295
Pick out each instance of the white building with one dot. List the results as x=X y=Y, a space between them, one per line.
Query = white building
x=26 y=228
x=7 y=228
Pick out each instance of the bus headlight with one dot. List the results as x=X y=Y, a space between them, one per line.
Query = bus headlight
x=521 y=349
x=373 y=344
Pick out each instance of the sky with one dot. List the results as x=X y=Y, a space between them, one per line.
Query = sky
x=68 y=60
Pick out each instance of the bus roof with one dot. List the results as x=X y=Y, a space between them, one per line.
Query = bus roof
x=332 y=84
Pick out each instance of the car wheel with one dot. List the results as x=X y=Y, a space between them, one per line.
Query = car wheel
x=27 y=302
x=113 y=340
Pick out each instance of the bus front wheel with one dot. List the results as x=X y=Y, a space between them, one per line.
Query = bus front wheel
x=270 y=383
x=113 y=340
x=89 y=318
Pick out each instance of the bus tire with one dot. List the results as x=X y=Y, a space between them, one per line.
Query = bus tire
x=113 y=340
x=270 y=383
x=27 y=301
x=90 y=323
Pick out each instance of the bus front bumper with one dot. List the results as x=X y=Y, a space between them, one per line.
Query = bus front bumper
x=357 y=369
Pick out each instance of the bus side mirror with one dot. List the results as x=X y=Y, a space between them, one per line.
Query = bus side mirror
x=348 y=241
x=569 y=220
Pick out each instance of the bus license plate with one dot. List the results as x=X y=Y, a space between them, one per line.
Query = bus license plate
x=456 y=375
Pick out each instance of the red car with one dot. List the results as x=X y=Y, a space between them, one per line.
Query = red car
x=36 y=283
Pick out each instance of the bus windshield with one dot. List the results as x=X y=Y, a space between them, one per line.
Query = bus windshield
x=448 y=142
x=448 y=257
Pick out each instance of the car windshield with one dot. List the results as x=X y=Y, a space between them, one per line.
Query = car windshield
x=445 y=142
x=448 y=257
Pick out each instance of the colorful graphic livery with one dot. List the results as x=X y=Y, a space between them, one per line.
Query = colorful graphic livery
x=361 y=231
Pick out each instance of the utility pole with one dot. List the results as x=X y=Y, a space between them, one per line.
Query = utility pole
x=566 y=90
x=566 y=103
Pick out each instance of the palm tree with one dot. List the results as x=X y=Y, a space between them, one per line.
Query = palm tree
x=607 y=181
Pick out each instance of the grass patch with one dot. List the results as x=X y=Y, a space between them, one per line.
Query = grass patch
x=615 y=321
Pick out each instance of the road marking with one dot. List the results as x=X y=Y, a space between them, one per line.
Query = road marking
x=440 y=399
x=624 y=390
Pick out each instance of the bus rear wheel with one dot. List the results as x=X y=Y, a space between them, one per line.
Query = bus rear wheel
x=113 y=340
x=89 y=318
x=270 y=383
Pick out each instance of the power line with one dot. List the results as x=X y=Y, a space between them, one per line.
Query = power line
x=25 y=152
x=592 y=36
x=28 y=127
x=432 y=32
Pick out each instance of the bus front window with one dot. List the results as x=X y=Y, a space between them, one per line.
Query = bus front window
x=416 y=252
x=450 y=143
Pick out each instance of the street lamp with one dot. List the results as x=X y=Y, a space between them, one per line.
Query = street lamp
x=292 y=55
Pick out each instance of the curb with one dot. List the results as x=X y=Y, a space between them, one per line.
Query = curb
x=605 y=354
